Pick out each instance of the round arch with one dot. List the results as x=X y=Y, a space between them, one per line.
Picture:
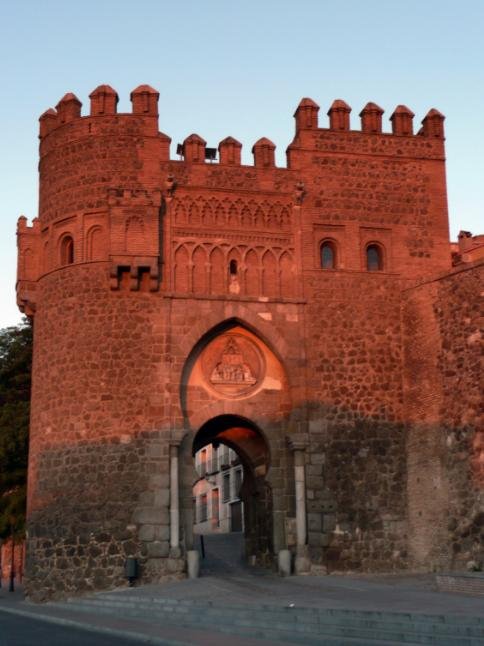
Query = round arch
x=240 y=434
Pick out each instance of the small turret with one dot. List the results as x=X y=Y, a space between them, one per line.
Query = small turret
x=21 y=223
x=371 y=118
x=433 y=124
x=229 y=151
x=263 y=151
x=306 y=115
x=68 y=108
x=339 y=115
x=103 y=100
x=194 y=149
x=145 y=100
x=402 y=120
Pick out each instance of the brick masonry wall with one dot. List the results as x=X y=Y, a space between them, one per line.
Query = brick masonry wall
x=6 y=560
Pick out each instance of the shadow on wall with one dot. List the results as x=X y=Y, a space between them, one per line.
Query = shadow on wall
x=94 y=504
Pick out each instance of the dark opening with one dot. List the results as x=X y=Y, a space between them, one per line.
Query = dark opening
x=67 y=251
x=328 y=255
x=374 y=258
x=233 y=267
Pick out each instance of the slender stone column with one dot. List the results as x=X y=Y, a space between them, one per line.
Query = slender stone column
x=300 y=482
x=174 y=498
x=298 y=445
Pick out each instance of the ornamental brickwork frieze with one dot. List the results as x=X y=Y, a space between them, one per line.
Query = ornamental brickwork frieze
x=232 y=213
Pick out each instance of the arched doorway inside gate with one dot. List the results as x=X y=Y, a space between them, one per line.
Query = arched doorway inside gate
x=232 y=497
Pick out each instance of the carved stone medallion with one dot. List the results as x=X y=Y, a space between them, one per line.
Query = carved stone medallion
x=232 y=365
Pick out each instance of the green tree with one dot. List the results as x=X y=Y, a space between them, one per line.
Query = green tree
x=15 y=379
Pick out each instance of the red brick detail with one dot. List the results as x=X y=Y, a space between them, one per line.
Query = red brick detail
x=371 y=118
x=229 y=151
x=402 y=120
x=68 y=108
x=6 y=561
x=145 y=100
x=306 y=115
x=264 y=155
x=339 y=115
x=194 y=149
x=103 y=100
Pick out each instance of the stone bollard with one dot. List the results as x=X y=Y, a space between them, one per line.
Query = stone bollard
x=284 y=562
x=302 y=563
x=193 y=562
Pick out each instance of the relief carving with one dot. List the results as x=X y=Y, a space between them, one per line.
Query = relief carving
x=232 y=365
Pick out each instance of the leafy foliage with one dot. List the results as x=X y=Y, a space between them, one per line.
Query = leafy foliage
x=15 y=378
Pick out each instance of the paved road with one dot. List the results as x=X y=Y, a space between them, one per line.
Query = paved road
x=22 y=631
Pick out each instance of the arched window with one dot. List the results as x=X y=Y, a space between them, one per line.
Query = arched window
x=328 y=255
x=374 y=257
x=67 y=251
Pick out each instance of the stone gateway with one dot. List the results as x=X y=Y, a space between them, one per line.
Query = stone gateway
x=313 y=318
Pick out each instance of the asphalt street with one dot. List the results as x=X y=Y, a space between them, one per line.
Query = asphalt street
x=23 y=631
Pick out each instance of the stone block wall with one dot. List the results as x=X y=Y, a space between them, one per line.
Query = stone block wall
x=355 y=472
x=443 y=367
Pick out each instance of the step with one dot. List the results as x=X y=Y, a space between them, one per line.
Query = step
x=159 y=604
x=293 y=622
x=124 y=601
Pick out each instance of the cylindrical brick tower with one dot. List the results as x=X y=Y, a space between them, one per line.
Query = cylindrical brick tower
x=96 y=451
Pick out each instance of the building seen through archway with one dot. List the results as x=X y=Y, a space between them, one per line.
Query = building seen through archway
x=231 y=494
x=218 y=508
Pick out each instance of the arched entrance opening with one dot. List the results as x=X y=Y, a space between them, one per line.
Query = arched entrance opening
x=232 y=495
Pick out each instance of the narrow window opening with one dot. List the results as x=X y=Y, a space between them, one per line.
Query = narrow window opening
x=203 y=507
x=226 y=487
x=328 y=255
x=233 y=267
x=374 y=258
x=238 y=482
x=203 y=463
x=67 y=251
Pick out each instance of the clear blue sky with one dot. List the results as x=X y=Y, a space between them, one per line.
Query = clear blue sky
x=227 y=67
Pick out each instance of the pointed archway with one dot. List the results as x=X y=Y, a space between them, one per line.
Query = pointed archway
x=234 y=392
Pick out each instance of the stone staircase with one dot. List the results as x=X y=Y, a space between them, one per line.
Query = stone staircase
x=285 y=624
x=224 y=554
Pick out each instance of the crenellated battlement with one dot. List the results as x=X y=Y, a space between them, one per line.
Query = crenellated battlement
x=111 y=193
x=28 y=263
x=104 y=101
x=68 y=124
